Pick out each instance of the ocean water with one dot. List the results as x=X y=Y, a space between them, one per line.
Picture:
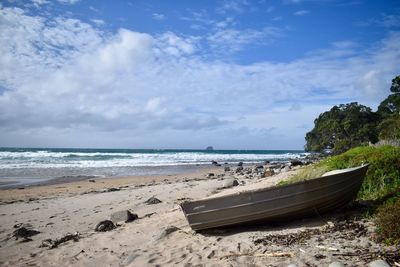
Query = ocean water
x=37 y=165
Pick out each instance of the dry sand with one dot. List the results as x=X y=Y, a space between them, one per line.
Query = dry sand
x=161 y=235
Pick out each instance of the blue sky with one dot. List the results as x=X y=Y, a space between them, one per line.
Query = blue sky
x=234 y=74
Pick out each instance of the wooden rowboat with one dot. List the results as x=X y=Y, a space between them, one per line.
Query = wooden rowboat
x=331 y=191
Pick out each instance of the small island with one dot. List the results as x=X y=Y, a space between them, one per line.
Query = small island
x=209 y=148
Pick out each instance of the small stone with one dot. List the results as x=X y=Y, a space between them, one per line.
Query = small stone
x=336 y=264
x=319 y=256
x=292 y=265
x=152 y=201
x=227 y=169
x=240 y=164
x=267 y=173
x=213 y=162
x=123 y=216
x=295 y=162
x=211 y=174
x=378 y=263
x=230 y=182
x=104 y=226
x=92 y=180
x=239 y=169
x=212 y=254
x=112 y=189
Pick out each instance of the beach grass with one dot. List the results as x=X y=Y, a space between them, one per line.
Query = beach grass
x=383 y=175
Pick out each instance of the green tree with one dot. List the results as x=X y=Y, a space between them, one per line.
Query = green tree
x=342 y=128
x=395 y=88
x=389 y=128
x=389 y=112
x=389 y=106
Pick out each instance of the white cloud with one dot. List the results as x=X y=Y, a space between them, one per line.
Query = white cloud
x=67 y=81
x=158 y=16
x=98 y=22
x=40 y=2
x=199 y=17
x=68 y=2
x=171 y=44
x=301 y=12
x=230 y=40
x=237 y=6
x=292 y=1
x=384 y=20
x=392 y=20
x=276 y=18
x=229 y=21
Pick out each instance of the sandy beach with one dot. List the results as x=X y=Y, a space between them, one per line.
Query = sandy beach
x=161 y=236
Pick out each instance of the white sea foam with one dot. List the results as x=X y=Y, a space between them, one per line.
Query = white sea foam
x=49 y=159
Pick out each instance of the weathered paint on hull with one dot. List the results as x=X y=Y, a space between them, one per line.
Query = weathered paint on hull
x=294 y=200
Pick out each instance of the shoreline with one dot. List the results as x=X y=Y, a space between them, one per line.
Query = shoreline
x=53 y=188
x=24 y=167
x=70 y=176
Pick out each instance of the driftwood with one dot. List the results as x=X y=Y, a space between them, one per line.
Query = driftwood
x=327 y=248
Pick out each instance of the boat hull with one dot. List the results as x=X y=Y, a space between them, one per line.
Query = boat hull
x=300 y=199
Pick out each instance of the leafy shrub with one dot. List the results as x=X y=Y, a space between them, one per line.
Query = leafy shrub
x=382 y=178
x=387 y=220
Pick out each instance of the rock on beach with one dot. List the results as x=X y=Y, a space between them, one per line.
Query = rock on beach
x=123 y=216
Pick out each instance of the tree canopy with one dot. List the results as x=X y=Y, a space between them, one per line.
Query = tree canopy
x=389 y=106
x=349 y=125
x=389 y=112
x=343 y=127
x=395 y=88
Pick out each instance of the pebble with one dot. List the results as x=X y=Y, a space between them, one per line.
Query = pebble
x=152 y=201
x=123 y=216
x=239 y=169
x=230 y=183
x=378 y=263
x=292 y=265
x=112 y=189
x=104 y=226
